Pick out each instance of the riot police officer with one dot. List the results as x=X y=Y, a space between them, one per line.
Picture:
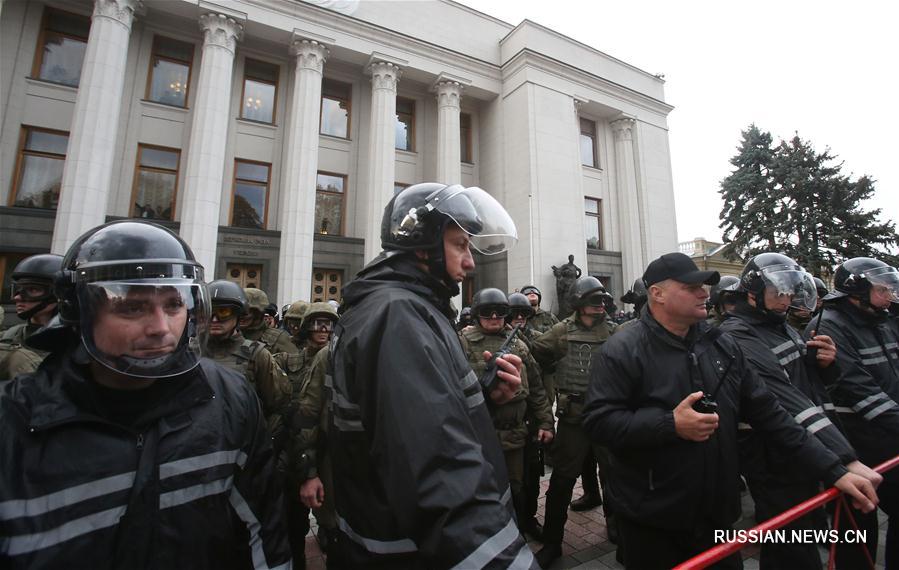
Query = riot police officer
x=254 y=327
x=419 y=475
x=723 y=297
x=866 y=392
x=148 y=451
x=32 y=293
x=490 y=309
x=799 y=317
x=228 y=347
x=568 y=345
x=772 y=283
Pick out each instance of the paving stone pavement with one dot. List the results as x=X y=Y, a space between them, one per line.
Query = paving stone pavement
x=586 y=545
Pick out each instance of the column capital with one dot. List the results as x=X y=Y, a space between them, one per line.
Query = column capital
x=449 y=93
x=310 y=54
x=220 y=30
x=623 y=128
x=122 y=11
x=384 y=75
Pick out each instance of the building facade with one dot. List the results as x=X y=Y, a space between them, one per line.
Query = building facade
x=712 y=256
x=271 y=134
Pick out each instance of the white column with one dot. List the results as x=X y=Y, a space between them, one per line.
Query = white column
x=298 y=191
x=208 y=135
x=381 y=150
x=449 y=154
x=632 y=262
x=88 y=168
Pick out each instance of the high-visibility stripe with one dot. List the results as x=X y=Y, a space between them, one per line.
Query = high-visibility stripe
x=878 y=360
x=807 y=413
x=257 y=552
x=181 y=496
x=879 y=410
x=782 y=347
x=524 y=559
x=843 y=410
x=198 y=462
x=819 y=425
x=870 y=350
x=25 y=543
x=475 y=399
x=828 y=406
x=401 y=546
x=789 y=358
x=468 y=380
x=743 y=426
x=862 y=404
x=489 y=549
x=18 y=508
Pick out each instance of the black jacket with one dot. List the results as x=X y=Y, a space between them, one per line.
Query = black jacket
x=638 y=377
x=192 y=487
x=779 y=357
x=419 y=476
x=866 y=394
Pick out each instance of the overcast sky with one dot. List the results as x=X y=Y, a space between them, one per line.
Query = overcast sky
x=825 y=69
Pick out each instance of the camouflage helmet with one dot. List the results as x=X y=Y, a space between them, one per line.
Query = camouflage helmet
x=296 y=310
x=256 y=299
x=320 y=309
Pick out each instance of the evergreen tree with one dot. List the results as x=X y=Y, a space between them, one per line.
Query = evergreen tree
x=750 y=213
x=794 y=200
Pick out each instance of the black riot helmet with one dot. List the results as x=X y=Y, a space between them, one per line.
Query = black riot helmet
x=636 y=295
x=785 y=276
x=32 y=281
x=724 y=291
x=528 y=289
x=224 y=295
x=129 y=270
x=519 y=306
x=589 y=290
x=855 y=278
x=820 y=287
x=488 y=302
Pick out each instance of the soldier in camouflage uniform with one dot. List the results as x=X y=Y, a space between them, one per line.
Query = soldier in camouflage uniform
x=254 y=328
x=569 y=346
x=541 y=321
x=32 y=288
x=293 y=320
x=490 y=308
x=311 y=336
x=228 y=347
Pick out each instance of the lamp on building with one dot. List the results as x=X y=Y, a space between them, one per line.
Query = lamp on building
x=254 y=103
x=177 y=86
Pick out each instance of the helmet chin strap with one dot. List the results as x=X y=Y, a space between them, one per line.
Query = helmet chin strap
x=26 y=315
x=766 y=313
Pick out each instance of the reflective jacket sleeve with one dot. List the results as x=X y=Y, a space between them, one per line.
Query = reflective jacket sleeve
x=806 y=413
x=428 y=430
x=609 y=416
x=760 y=408
x=255 y=499
x=856 y=388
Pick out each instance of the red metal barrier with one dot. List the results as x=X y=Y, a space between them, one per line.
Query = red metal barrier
x=724 y=550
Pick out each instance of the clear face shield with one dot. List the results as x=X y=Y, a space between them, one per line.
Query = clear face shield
x=145 y=328
x=490 y=227
x=884 y=284
x=797 y=284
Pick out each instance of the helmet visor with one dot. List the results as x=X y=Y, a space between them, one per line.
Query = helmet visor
x=789 y=281
x=885 y=282
x=147 y=328
x=479 y=215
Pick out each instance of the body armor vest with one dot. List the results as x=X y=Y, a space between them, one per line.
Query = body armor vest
x=573 y=371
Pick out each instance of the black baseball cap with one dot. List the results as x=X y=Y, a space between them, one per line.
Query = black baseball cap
x=679 y=267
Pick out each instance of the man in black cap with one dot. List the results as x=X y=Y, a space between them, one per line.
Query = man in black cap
x=665 y=396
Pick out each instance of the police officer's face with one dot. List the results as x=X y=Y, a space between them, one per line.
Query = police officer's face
x=457 y=253
x=28 y=295
x=492 y=324
x=223 y=322
x=881 y=296
x=146 y=323
x=777 y=302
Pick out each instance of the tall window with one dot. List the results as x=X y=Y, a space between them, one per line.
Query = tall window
x=249 y=204
x=156 y=182
x=61 y=47
x=588 y=143
x=465 y=136
x=260 y=89
x=335 y=119
x=405 y=124
x=329 y=195
x=170 y=71
x=593 y=222
x=42 y=154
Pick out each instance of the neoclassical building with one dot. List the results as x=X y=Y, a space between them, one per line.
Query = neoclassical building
x=270 y=134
